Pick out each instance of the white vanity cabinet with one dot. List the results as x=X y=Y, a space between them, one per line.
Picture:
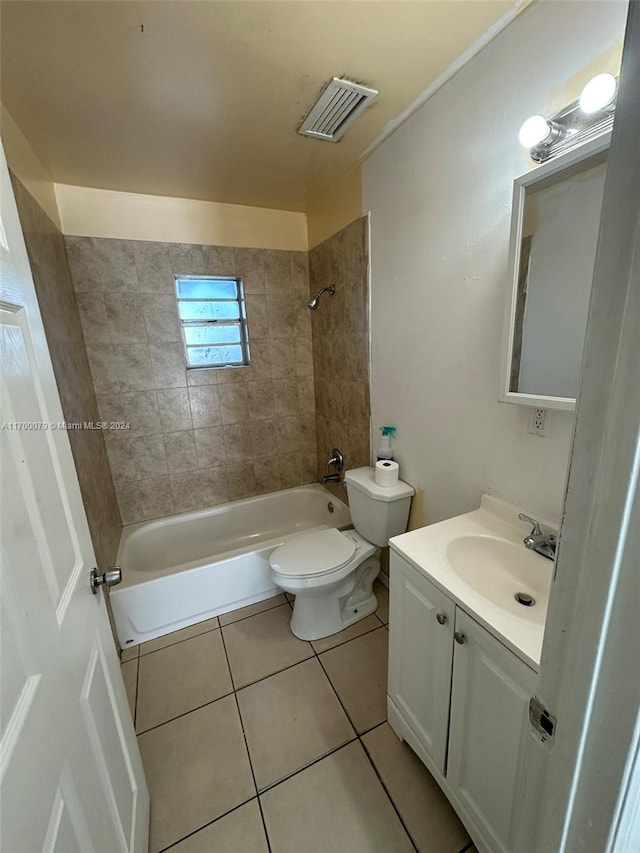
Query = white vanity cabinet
x=460 y=698
x=489 y=722
x=420 y=657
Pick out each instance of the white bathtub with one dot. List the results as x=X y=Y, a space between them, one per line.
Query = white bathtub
x=190 y=567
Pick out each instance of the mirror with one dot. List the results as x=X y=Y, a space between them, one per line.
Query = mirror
x=554 y=236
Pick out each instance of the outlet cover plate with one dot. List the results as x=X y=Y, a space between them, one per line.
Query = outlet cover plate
x=538 y=422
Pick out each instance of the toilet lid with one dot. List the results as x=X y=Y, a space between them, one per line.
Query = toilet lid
x=313 y=553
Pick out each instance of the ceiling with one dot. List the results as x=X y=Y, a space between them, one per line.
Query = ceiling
x=202 y=99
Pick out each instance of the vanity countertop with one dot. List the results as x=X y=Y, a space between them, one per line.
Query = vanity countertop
x=491 y=564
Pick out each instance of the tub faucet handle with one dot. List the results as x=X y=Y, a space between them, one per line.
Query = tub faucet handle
x=336 y=459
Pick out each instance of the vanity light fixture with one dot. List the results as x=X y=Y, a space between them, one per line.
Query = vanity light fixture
x=538 y=131
x=584 y=119
x=598 y=93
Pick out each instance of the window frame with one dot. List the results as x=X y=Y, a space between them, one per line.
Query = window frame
x=241 y=322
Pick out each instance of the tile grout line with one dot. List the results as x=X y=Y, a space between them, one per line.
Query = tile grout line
x=219 y=626
x=346 y=713
x=236 y=689
x=356 y=738
x=205 y=825
x=242 y=618
x=135 y=701
x=175 y=642
x=384 y=788
x=185 y=713
x=246 y=745
x=344 y=642
x=311 y=763
x=226 y=657
x=372 y=728
x=360 y=741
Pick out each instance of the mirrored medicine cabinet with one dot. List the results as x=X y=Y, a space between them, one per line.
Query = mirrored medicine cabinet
x=554 y=235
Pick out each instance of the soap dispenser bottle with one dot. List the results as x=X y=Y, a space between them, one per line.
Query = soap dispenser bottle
x=384 y=450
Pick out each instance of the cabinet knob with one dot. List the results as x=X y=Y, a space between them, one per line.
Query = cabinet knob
x=458 y=637
x=442 y=618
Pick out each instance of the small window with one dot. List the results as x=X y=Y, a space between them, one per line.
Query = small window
x=213 y=321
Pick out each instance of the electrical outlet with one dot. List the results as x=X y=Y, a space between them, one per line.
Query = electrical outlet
x=538 y=422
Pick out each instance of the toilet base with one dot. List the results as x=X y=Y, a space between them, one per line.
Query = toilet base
x=321 y=612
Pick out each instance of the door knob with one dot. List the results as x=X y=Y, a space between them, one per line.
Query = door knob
x=109 y=578
x=458 y=637
x=442 y=618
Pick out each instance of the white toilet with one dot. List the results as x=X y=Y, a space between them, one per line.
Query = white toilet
x=331 y=572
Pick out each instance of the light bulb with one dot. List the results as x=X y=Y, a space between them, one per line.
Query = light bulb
x=534 y=131
x=598 y=93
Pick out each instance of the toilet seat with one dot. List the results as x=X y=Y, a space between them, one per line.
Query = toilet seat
x=318 y=552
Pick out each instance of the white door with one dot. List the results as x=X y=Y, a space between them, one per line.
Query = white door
x=582 y=786
x=70 y=770
x=489 y=728
x=420 y=657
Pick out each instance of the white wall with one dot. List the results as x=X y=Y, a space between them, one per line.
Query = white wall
x=439 y=192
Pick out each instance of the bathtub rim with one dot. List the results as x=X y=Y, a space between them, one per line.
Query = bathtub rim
x=138 y=577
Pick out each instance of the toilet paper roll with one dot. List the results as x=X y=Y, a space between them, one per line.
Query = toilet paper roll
x=387 y=472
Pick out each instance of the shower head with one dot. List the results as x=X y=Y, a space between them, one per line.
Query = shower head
x=313 y=303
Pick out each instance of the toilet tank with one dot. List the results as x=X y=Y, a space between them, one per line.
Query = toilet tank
x=377 y=512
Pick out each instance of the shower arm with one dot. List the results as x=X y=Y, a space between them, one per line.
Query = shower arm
x=313 y=303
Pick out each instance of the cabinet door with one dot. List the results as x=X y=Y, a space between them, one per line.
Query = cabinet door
x=489 y=725
x=420 y=656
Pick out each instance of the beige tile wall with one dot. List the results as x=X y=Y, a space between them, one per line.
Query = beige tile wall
x=50 y=270
x=196 y=438
x=341 y=347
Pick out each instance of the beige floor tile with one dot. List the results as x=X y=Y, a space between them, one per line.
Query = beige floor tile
x=241 y=831
x=197 y=769
x=358 y=671
x=370 y=623
x=290 y=720
x=334 y=806
x=251 y=610
x=180 y=678
x=129 y=654
x=382 y=594
x=177 y=636
x=263 y=644
x=427 y=815
x=129 y=671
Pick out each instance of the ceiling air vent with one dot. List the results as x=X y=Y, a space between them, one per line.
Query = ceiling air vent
x=340 y=103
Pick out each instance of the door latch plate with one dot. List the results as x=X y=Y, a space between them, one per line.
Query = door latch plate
x=543 y=723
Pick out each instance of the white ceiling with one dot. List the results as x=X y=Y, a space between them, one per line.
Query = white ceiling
x=202 y=99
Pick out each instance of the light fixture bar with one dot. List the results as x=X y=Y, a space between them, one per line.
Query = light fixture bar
x=572 y=126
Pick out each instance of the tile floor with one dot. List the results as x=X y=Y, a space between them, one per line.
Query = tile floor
x=255 y=741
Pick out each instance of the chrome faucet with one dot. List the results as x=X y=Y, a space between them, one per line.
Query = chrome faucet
x=336 y=460
x=541 y=543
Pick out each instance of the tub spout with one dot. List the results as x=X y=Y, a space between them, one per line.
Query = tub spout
x=330 y=478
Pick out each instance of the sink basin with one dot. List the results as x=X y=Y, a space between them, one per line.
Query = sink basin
x=500 y=570
x=480 y=562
